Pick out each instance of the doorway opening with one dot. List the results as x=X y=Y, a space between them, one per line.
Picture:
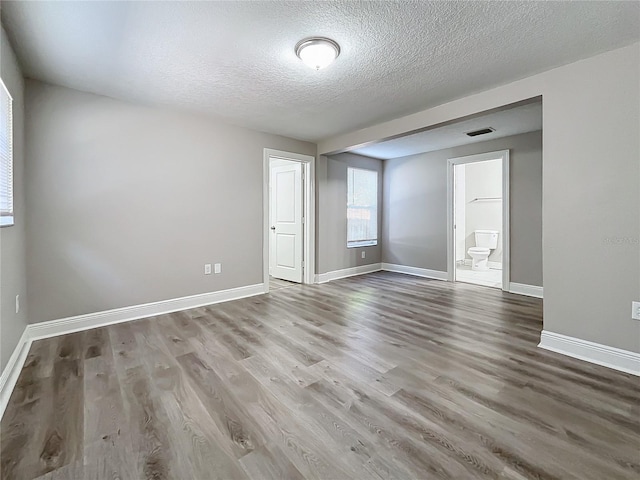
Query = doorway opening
x=288 y=219
x=478 y=219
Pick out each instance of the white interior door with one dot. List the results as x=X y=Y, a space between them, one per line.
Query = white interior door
x=286 y=221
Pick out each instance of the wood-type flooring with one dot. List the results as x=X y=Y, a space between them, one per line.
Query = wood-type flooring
x=380 y=376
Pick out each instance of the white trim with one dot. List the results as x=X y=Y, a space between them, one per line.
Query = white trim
x=362 y=243
x=348 y=272
x=528 y=290
x=418 y=272
x=13 y=368
x=376 y=267
x=6 y=89
x=309 y=199
x=118 y=315
x=451 y=248
x=506 y=222
x=611 y=357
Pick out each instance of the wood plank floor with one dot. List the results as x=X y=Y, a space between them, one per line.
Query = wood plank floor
x=380 y=376
x=277 y=283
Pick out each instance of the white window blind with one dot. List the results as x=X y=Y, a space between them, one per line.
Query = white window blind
x=362 y=207
x=6 y=157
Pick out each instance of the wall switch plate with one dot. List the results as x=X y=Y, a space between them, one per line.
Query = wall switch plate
x=217 y=268
x=17 y=303
x=207 y=269
x=363 y=254
x=635 y=310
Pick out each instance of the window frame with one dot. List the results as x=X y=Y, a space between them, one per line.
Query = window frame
x=7 y=219
x=369 y=242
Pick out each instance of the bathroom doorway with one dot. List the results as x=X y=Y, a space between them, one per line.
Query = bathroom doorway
x=478 y=218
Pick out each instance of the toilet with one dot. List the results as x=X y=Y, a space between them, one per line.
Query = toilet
x=486 y=240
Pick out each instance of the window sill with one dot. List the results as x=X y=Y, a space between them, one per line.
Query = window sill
x=365 y=243
x=6 y=221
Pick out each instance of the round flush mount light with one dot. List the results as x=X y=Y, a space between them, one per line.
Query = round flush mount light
x=317 y=52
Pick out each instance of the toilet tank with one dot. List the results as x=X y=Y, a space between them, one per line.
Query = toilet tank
x=487 y=238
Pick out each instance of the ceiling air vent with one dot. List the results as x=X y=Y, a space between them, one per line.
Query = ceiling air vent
x=482 y=131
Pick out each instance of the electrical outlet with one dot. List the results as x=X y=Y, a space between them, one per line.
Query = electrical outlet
x=17 y=303
x=363 y=254
x=217 y=268
x=635 y=310
x=207 y=269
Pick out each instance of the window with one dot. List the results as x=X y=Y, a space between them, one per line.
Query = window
x=6 y=157
x=362 y=207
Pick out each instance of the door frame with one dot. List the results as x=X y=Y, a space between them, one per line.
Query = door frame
x=309 y=208
x=502 y=155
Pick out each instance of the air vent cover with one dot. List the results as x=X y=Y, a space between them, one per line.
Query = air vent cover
x=482 y=131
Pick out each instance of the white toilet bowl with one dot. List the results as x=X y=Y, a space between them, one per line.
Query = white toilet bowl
x=479 y=258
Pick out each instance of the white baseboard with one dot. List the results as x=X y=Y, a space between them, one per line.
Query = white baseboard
x=375 y=267
x=611 y=357
x=418 y=272
x=528 y=290
x=12 y=370
x=63 y=326
x=347 y=272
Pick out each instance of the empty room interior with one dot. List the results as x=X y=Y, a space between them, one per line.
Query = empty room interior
x=319 y=240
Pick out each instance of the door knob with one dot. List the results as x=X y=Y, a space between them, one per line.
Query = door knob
x=273 y=228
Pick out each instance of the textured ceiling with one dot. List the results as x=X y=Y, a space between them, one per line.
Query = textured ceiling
x=235 y=60
x=521 y=119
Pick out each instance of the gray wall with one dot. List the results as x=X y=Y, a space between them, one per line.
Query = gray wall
x=525 y=219
x=127 y=203
x=12 y=239
x=332 y=252
x=414 y=209
x=591 y=205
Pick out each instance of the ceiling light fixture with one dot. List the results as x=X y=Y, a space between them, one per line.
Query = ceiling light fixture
x=317 y=52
